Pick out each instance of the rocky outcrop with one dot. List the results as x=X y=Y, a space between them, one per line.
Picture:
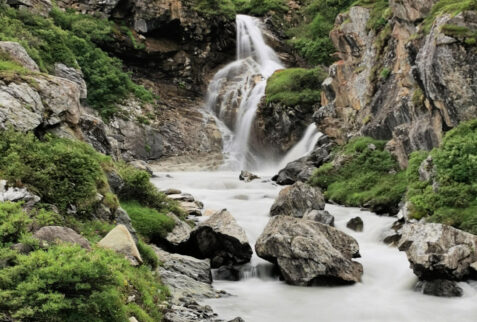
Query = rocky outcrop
x=297 y=200
x=437 y=251
x=120 y=240
x=57 y=234
x=303 y=168
x=14 y=194
x=18 y=54
x=74 y=75
x=307 y=252
x=399 y=84
x=221 y=239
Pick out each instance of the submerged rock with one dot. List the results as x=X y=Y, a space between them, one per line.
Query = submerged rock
x=307 y=252
x=438 y=251
x=221 y=239
x=247 y=176
x=439 y=287
x=297 y=200
x=120 y=240
x=355 y=224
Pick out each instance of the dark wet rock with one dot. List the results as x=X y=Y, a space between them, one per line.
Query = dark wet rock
x=247 y=176
x=321 y=216
x=297 y=200
x=58 y=234
x=439 y=287
x=308 y=252
x=437 y=251
x=221 y=239
x=227 y=273
x=355 y=224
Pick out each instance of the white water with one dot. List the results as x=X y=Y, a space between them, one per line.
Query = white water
x=385 y=293
x=303 y=147
x=236 y=90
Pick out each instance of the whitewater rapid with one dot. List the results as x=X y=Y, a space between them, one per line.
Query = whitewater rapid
x=385 y=293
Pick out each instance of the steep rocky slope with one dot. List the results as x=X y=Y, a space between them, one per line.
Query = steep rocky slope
x=408 y=82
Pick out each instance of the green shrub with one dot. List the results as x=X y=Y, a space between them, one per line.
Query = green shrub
x=447 y=7
x=295 y=86
x=13 y=222
x=148 y=255
x=150 y=223
x=61 y=171
x=452 y=199
x=365 y=177
x=138 y=187
x=68 y=283
x=384 y=73
x=72 y=39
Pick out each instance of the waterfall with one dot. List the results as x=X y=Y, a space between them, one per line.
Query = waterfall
x=303 y=147
x=236 y=90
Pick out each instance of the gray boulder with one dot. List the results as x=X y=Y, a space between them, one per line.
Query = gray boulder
x=74 y=75
x=180 y=234
x=355 y=224
x=247 y=176
x=58 y=234
x=297 y=200
x=18 y=54
x=221 y=239
x=443 y=288
x=437 y=251
x=308 y=253
x=321 y=216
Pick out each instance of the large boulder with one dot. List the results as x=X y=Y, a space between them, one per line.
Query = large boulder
x=355 y=224
x=438 y=251
x=307 y=252
x=443 y=288
x=297 y=200
x=221 y=239
x=120 y=240
x=56 y=234
x=18 y=54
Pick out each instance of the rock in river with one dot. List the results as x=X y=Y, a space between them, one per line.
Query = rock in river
x=308 y=252
x=438 y=251
x=297 y=200
x=221 y=239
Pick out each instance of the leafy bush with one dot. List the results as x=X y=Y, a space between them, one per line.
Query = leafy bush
x=365 y=176
x=61 y=171
x=295 y=86
x=13 y=222
x=68 y=283
x=150 y=223
x=451 y=197
x=72 y=39
x=138 y=187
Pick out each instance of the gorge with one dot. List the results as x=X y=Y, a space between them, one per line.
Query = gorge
x=238 y=160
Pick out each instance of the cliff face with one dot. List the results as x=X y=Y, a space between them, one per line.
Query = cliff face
x=401 y=84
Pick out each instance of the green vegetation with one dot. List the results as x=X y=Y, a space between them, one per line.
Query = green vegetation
x=230 y=8
x=68 y=283
x=72 y=39
x=384 y=73
x=13 y=222
x=451 y=7
x=367 y=175
x=62 y=172
x=148 y=255
x=295 y=86
x=150 y=223
x=451 y=197
x=379 y=15
x=462 y=33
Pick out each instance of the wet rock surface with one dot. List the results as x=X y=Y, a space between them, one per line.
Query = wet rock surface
x=355 y=224
x=297 y=200
x=439 y=287
x=308 y=252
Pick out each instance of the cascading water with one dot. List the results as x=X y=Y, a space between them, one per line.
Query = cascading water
x=303 y=147
x=236 y=90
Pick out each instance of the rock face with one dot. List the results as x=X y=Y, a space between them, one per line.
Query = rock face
x=297 y=200
x=308 y=252
x=120 y=240
x=14 y=194
x=55 y=234
x=73 y=75
x=302 y=169
x=406 y=90
x=221 y=239
x=438 y=251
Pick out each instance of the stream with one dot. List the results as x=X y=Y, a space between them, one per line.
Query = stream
x=385 y=293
